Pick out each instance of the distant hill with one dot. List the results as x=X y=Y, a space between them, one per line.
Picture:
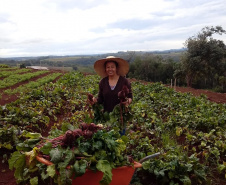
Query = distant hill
x=95 y=55
x=86 y=60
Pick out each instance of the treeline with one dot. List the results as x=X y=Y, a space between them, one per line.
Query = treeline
x=86 y=60
x=158 y=69
x=153 y=68
x=202 y=65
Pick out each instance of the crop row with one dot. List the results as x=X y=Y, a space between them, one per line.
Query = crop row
x=4 y=67
x=16 y=78
x=12 y=72
x=33 y=84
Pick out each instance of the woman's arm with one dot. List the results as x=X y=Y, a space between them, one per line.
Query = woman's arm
x=100 y=98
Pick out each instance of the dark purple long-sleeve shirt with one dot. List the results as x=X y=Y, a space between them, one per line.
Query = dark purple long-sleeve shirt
x=109 y=98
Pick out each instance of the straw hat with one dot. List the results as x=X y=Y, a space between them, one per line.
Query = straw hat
x=123 y=66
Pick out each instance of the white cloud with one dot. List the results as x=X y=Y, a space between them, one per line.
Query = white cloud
x=61 y=27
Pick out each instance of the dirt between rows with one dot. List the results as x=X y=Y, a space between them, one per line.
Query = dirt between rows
x=7 y=176
x=212 y=96
x=6 y=98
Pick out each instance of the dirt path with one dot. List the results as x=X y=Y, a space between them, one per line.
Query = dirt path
x=212 y=96
x=6 y=175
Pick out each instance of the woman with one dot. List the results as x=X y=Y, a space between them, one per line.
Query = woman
x=112 y=70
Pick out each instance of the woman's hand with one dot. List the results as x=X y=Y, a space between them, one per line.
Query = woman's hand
x=127 y=102
x=91 y=99
x=94 y=100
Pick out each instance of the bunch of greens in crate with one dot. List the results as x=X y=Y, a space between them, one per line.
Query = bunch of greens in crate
x=87 y=147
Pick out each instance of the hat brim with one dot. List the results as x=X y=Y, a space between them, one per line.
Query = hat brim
x=122 y=70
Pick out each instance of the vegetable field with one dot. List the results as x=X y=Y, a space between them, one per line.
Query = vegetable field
x=188 y=131
x=13 y=81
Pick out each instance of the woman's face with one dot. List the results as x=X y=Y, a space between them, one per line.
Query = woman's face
x=111 y=69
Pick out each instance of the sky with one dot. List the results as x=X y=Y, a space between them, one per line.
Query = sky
x=75 y=27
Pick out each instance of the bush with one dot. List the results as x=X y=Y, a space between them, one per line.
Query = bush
x=4 y=66
x=22 y=66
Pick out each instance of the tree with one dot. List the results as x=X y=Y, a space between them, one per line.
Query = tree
x=205 y=55
x=22 y=65
x=130 y=57
x=179 y=74
x=75 y=67
x=152 y=68
x=222 y=80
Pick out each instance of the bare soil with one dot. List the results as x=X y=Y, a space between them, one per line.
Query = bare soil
x=212 y=96
x=7 y=176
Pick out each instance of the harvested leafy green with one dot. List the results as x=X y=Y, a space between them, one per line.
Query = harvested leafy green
x=88 y=147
